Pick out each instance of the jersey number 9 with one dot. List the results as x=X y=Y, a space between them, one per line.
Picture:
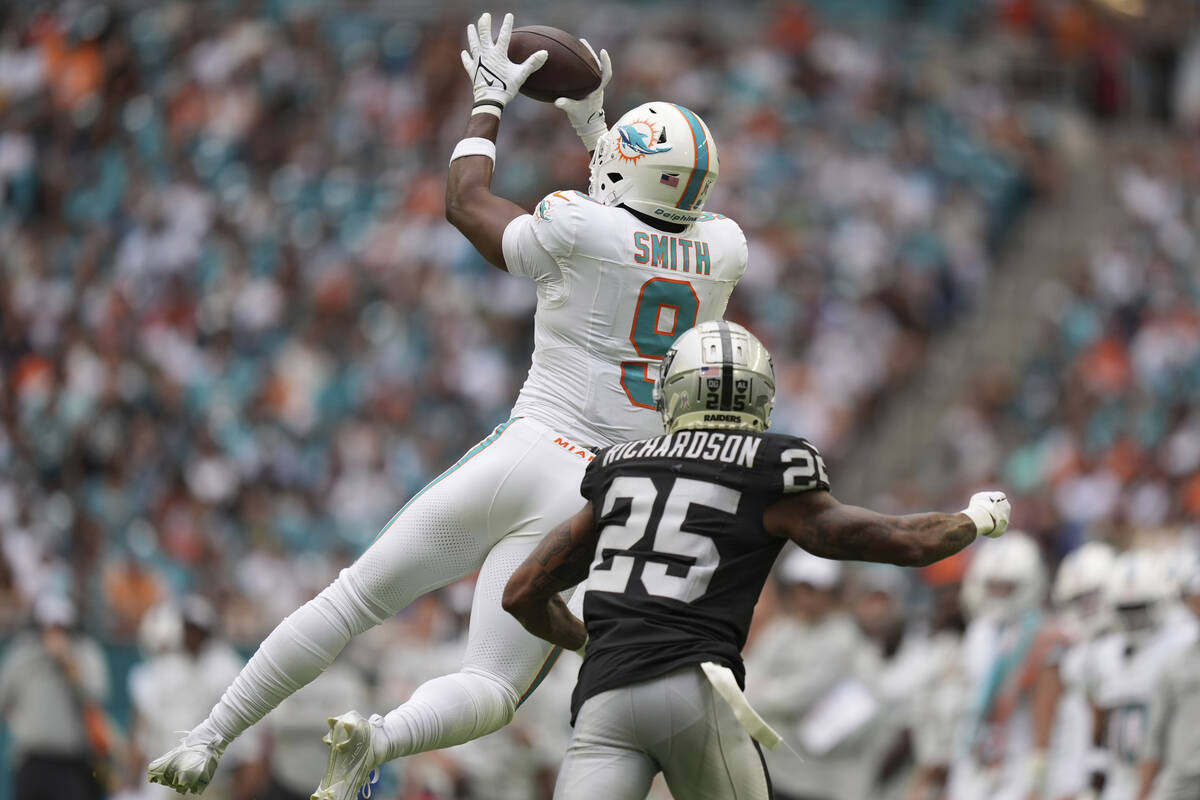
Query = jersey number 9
x=665 y=309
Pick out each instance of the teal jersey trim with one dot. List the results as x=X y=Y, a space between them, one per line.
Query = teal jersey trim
x=474 y=451
x=691 y=191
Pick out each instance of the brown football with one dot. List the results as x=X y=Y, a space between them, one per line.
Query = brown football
x=570 y=70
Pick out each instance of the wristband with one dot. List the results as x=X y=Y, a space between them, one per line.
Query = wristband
x=983 y=520
x=475 y=146
x=493 y=107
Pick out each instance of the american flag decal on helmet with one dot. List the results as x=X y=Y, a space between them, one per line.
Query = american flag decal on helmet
x=670 y=179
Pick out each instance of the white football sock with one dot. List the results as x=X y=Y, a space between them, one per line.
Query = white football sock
x=446 y=711
x=422 y=548
x=300 y=648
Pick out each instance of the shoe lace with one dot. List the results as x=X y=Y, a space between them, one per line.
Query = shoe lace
x=372 y=779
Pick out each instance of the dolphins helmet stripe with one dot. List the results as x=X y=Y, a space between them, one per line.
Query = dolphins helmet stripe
x=726 y=366
x=691 y=192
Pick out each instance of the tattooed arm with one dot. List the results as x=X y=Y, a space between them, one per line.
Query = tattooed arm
x=560 y=561
x=824 y=527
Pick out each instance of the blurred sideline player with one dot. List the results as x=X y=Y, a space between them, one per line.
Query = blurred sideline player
x=1005 y=649
x=188 y=666
x=620 y=272
x=936 y=706
x=1126 y=665
x=1062 y=716
x=676 y=541
x=794 y=669
x=1172 y=753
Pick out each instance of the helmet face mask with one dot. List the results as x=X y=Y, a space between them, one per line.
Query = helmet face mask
x=1005 y=579
x=659 y=159
x=1137 y=619
x=716 y=375
x=1079 y=588
x=1137 y=595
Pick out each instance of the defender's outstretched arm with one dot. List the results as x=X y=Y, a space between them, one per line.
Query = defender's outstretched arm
x=560 y=561
x=470 y=205
x=823 y=526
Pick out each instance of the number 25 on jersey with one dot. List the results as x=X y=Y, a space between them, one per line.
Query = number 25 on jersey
x=671 y=538
x=666 y=307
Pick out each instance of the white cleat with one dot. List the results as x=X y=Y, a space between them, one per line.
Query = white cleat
x=187 y=768
x=351 y=758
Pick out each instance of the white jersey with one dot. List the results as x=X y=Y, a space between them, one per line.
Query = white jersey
x=1072 y=735
x=171 y=691
x=613 y=294
x=1121 y=681
x=994 y=764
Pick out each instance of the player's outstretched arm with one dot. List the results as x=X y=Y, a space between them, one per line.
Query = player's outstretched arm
x=820 y=524
x=470 y=205
x=560 y=561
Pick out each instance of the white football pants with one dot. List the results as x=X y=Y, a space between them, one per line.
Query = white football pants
x=676 y=724
x=487 y=512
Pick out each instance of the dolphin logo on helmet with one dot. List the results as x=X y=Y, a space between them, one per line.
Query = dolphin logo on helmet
x=638 y=141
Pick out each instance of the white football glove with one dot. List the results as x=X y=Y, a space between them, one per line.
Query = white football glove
x=989 y=511
x=494 y=79
x=587 y=115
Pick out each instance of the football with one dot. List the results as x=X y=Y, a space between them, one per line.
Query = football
x=570 y=71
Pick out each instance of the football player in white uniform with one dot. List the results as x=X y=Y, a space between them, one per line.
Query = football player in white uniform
x=620 y=271
x=1170 y=767
x=1003 y=649
x=1126 y=665
x=1062 y=716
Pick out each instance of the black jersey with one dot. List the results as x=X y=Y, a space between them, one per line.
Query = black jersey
x=682 y=554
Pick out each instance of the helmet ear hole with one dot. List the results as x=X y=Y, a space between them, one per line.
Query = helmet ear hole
x=614 y=176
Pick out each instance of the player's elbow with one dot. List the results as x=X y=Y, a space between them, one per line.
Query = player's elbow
x=461 y=207
x=455 y=213
x=517 y=599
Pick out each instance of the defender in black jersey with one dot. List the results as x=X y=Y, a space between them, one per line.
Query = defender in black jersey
x=676 y=541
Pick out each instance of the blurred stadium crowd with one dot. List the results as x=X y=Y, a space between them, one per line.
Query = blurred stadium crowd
x=236 y=333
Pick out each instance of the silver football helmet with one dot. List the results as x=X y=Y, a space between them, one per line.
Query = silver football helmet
x=716 y=375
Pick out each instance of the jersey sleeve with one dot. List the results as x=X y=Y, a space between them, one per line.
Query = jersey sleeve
x=792 y=465
x=1161 y=704
x=741 y=250
x=535 y=243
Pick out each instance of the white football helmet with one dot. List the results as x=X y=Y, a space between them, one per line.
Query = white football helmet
x=1137 y=593
x=1005 y=579
x=1079 y=587
x=1180 y=563
x=161 y=630
x=716 y=375
x=658 y=159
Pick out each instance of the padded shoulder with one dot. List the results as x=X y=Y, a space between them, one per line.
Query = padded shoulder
x=558 y=220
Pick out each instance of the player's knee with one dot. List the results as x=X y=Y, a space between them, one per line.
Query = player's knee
x=496 y=697
x=349 y=600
